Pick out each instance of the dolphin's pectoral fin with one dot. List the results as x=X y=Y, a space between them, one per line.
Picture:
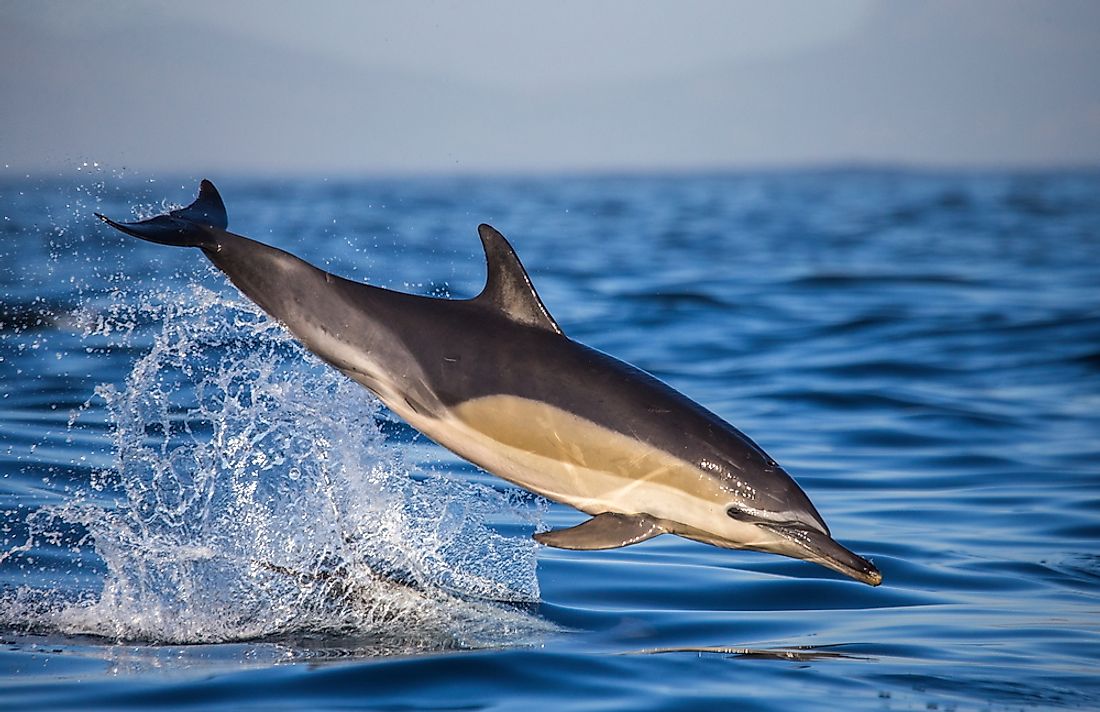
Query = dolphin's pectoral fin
x=508 y=289
x=603 y=531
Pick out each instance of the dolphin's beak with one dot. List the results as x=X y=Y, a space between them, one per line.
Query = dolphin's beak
x=820 y=548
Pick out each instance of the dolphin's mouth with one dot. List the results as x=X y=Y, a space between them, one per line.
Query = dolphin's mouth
x=812 y=545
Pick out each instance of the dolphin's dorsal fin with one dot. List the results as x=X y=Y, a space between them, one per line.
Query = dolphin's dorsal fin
x=609 y=530
x=508 y=289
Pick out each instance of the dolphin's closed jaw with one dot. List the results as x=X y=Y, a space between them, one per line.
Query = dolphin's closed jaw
x=495 y=380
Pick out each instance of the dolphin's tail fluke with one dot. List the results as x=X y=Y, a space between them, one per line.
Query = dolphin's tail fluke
x=187 y=227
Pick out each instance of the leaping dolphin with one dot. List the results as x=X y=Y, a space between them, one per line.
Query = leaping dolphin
x=494 y=379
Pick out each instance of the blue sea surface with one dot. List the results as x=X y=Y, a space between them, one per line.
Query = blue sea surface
x=196 y=512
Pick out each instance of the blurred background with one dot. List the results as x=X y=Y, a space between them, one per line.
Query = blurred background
x=494 y=85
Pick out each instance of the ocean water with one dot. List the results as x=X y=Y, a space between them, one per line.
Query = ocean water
x=195 y=512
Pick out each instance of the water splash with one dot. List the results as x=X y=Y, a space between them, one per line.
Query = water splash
x=253 y=496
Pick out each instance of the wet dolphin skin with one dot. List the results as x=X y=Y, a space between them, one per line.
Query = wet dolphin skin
x=495 y=380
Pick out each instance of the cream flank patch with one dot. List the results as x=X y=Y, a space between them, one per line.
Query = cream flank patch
x=576 y=461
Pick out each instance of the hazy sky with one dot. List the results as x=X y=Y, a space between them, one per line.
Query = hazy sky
x=372 y=87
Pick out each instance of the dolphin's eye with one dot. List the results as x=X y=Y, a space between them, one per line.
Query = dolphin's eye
x=735 y=512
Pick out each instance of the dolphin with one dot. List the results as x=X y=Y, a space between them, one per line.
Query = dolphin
x=495 y=380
